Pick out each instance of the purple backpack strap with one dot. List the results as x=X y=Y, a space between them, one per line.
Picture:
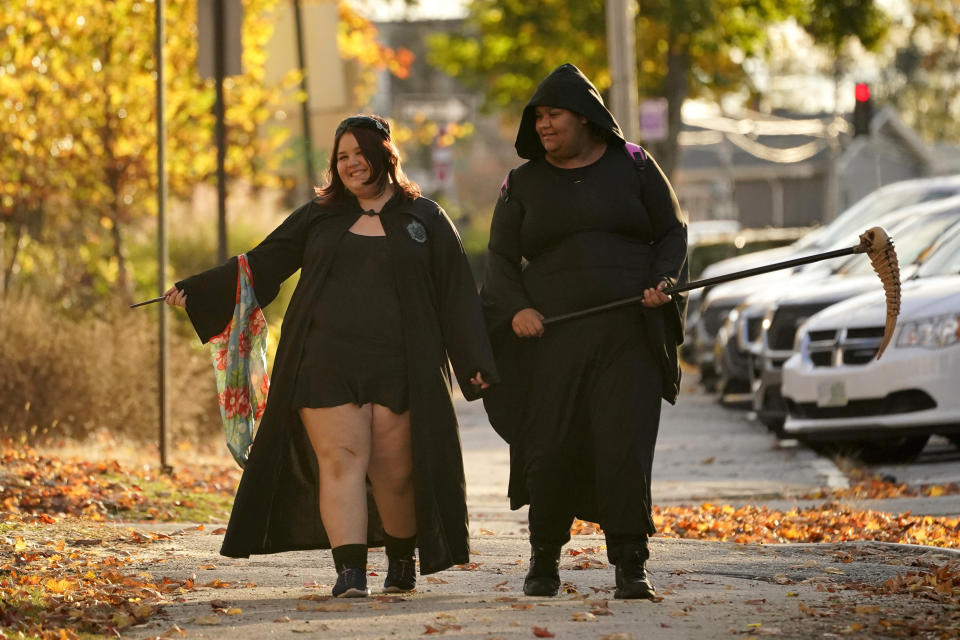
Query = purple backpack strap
x=505 y=187
x=635 y=151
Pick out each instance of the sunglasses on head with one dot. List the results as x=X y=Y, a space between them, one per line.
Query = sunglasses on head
x=366 y=122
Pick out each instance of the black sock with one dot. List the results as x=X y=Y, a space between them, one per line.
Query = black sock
x=399 y=548
x=350 y=555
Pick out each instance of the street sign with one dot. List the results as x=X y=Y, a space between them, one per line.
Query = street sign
x=653 y=120
x=206 y=37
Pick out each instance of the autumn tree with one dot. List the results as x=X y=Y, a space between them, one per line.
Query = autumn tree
x=78 y=123
x=921 y=78
x=685 y=48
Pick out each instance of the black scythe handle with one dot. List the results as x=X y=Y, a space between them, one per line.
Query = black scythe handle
x=710 y=281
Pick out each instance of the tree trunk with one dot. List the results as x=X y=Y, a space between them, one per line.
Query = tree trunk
x=123 y=277
x=675 y=91
x=14 y=254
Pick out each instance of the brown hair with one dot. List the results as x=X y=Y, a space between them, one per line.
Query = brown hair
x=373 y=136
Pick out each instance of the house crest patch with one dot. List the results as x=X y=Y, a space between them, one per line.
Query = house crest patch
x=417 y=232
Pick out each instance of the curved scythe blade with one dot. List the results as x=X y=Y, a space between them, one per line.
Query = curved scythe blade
x=878 y=246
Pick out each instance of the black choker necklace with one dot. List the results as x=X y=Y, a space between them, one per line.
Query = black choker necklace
x=370 y=212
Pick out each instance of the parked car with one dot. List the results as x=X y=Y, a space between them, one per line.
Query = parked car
x=838 y=394
x=756 y=299
x=717 y=302
x=916 y=238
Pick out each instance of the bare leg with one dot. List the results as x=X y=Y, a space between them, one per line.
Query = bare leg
x=341 y=440
x=391 y=471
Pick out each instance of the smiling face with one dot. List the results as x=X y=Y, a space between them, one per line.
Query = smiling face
x=353 y=167
x=563 y=133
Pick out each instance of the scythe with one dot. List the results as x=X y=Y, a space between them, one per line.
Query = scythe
x=875 y=242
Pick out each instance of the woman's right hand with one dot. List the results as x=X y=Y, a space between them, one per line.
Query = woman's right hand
x=175 y=297
x=528 y=323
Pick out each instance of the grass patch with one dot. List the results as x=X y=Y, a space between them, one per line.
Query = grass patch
x=160 y=499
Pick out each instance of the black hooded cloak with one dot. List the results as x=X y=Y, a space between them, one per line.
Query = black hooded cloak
x=566 y=239
x=276 y=506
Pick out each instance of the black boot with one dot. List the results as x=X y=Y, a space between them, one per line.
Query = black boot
x=631 y=573
x=543 y=578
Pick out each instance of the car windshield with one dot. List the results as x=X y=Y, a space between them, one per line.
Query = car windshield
x=912 y=240
x=945 y=259
x=868 y=210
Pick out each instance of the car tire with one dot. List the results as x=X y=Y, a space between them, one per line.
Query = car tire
x=773 y=422
x=902 y=449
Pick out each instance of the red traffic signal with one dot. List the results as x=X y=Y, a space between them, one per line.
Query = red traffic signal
x=862 y=110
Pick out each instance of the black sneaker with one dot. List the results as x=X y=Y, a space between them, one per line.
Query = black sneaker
x=543 y=578
x=401 y=575
x=351 y=583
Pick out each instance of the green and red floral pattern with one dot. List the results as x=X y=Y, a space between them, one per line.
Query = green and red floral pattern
x=239 y=356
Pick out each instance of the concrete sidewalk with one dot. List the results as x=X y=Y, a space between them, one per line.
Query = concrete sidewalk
x=707 y=589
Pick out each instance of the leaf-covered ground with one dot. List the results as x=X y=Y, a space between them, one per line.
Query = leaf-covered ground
x=63 y=574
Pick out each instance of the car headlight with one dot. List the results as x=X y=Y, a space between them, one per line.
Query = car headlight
x=938 y=331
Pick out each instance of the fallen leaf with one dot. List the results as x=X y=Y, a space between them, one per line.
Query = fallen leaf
x=389 y=599
x=580 y=616
x=542 y=632
x=282 y=619
x=210 y=619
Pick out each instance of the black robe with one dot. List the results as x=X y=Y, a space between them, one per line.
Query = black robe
x=558 y=244
x=276 y=506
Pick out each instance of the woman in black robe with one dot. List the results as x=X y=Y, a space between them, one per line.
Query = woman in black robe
x=361 y=392
x=588 y=220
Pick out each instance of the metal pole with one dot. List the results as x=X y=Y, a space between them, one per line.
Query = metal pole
x=164 y=347
x=305 y=105
x=622 y=56
x=219 y=71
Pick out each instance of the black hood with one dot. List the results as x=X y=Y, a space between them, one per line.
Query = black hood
x=566 y=87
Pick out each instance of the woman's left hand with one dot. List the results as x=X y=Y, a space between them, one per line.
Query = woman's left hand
x=478 y=381
x=656 y=297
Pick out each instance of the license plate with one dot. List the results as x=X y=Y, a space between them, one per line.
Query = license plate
x=831 y=394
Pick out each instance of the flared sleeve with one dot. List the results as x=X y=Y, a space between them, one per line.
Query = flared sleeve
x=461 y=315
x=503 y=294
x=211 y=294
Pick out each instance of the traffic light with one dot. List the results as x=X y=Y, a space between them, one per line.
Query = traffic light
x=862 y=110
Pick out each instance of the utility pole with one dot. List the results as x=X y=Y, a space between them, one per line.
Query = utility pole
x=622 y=54
x=305 y=105
x=219 y=70
x=163 y=343
x=219 y=54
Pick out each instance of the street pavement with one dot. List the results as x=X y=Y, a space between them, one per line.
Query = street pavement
x=707 y=589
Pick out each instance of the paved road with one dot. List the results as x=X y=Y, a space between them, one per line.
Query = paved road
x=705 y=452
x=709 y=589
